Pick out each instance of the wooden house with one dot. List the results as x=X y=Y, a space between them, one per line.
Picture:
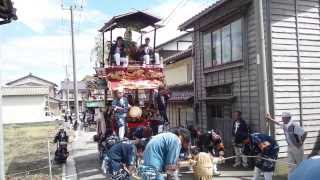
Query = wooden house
x=229 y=72
x=177 y=59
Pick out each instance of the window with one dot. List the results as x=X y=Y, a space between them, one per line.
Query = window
x=236 y=33
x=207 y=50
x=226 y=45
x=223 y=90
x=189 y=73
x=216 y=48
x=216 y=111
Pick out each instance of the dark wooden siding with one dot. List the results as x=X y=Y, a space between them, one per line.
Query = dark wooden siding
x=295 y=36
x=243 y=76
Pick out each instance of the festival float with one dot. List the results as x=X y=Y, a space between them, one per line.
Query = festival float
x=138 y=79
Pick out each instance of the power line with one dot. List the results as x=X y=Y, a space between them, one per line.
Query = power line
x=173 y=11
x=183 y=5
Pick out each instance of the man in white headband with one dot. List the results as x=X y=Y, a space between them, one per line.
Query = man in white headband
x=295 y=137
x=120 y=106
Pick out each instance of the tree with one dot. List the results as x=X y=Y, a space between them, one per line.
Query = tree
x=97 y=51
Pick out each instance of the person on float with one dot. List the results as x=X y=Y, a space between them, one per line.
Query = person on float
x=118 y=53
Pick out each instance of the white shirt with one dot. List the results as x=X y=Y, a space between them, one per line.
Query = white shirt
x=117 y=50
x=297 y=130
x=237 y=125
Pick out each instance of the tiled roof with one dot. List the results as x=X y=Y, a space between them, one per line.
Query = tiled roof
x=30 y=75
x=181 y=96
x=180 y=93
x=187 y=23
x=24 y=91
x=178 y=56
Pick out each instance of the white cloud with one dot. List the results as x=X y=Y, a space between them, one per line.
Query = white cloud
x=46 y=55
x=39 y=14
x=185 y=11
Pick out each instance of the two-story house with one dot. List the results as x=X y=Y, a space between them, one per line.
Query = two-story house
x=228 y=61
x=32 y=97
x=67 y=95
x=177 y=59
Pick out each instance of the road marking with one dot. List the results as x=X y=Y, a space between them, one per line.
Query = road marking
x=64 y=171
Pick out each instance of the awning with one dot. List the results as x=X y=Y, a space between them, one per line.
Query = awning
x=134 y=84
x=94 y=104
x=136 y=20
x=181 y=96
x=220 y=98
x=187 y=98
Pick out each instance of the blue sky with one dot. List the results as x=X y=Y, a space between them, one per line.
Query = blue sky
x=39 y=42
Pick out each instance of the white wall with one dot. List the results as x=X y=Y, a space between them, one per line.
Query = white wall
x=177 y=73
x=23 y=109
x=182 y=45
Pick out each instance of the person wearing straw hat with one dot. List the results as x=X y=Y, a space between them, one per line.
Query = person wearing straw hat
x=264 y=147
x=203 y=164
x=120 y=106
x=211 y=142
x=295 y=137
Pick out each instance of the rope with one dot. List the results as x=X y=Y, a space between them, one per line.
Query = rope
x=259 y=157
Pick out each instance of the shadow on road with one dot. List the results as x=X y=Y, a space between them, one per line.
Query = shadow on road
x=88 y=167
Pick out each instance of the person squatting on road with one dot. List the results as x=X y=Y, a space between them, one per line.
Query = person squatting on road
x=121 y=159
x=211 y=142
x=120 y=106
x=162 y=151
x=262 y=146
x=239 y=127
x=295 y=136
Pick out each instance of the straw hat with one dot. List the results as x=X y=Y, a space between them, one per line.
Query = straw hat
x=135 y=112
x=120 y=90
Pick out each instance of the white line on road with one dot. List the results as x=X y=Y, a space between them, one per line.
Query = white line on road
x=64 y=171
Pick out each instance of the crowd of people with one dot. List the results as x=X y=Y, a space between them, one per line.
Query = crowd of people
x=167 y=151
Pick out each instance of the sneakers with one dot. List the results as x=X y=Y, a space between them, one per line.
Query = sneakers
x=216 y=173
x=245 y=165
x=236 y=164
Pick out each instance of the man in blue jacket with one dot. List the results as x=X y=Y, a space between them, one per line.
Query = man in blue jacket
x=266 y=149
x=162 y=151
x=123 y=155
x=239 y=127
x=120 y=106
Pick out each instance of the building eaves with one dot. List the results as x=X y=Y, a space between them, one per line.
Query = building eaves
x=186 y=25
x=30 y=75
x=178 y=56
x=24 y=91
x=171 y=40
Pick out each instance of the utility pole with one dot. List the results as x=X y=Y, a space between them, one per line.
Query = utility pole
x=74 y=64
x=262 y=62
x=67 y=86
x=75 y=84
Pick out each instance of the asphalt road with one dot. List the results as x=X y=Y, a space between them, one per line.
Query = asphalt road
x=83 y=163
